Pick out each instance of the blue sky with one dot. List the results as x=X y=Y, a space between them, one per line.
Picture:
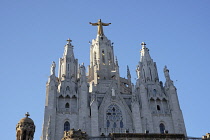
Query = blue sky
x=33 y=34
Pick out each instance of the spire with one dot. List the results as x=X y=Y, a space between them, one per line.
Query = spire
x=145 y=56
x=128 y=72
x=100 y=26
x=147 y=69
x=68 y=64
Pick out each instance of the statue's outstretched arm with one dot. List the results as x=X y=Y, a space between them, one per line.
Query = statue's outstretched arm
x=106 y=24
x=94 y=24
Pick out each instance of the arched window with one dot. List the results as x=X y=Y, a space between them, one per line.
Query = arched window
x=114 y=117
x=158 y=107
x=66 y=126
x=67 y=105
x=67 y=88
x=162 y=128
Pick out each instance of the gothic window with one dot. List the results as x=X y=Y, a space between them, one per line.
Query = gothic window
x=66 y=126
x=114 y=117
x=158 y=107
x=67 y=105
x=162 y=128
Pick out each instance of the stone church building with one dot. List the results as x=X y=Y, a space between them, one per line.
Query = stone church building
x=98 y=101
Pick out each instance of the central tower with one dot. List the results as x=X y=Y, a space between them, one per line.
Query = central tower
x=102 y=65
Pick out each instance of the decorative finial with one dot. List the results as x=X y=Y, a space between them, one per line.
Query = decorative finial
x=27 y=114
x=100 y=26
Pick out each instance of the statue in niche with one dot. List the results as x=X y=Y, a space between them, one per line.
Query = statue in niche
x=113 y=92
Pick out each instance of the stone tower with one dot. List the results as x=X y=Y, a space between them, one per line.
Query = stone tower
x=159 y=104
x=66 y=97
x=25 y=129
x=102 y=102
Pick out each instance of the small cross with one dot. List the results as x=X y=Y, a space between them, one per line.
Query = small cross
x=69 y=40
x=27 y=114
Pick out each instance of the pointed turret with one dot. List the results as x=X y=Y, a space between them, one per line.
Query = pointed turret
x=146 y=70
x=68 y=64
x=83 y=97
x=176 y=112
x=128 y=73
x=129 y=78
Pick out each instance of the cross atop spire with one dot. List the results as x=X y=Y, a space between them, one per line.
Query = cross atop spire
x=100 y=26
x=69 y=41
x=27 y=114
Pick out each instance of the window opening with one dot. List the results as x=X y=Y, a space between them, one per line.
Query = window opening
x=158 y=107
x=67 y=105
x=162 y=128
x=114 y=117
x=154 y=92
x=103 y=57
x=66 y=126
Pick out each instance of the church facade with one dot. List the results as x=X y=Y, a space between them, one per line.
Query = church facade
x=102 y=102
